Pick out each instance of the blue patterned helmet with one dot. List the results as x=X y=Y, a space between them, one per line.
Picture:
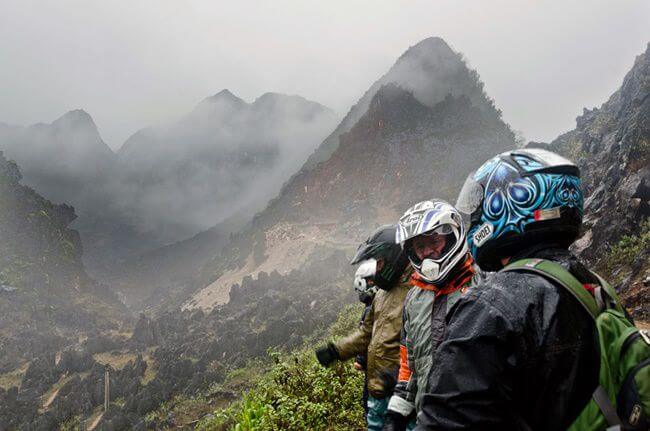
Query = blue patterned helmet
x=518 y=199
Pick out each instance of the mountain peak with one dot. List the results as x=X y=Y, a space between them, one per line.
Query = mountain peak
x=224 y=95
x=271 y=98
x=430 y=70
x=222 y=100
x=76 y=118
x=430 y=45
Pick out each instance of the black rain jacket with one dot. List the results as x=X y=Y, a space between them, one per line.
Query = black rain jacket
x=519 y=353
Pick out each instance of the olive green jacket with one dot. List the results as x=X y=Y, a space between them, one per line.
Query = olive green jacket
x=379 y=337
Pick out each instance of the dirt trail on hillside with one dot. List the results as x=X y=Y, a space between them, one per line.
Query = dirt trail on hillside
x=288 y=247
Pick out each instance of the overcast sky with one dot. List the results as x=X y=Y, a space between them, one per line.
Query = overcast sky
x=133 y=64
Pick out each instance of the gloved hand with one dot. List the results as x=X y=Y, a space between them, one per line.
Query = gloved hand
x=361 y=360
x=395 y=421
x=389 y=381
x=327 y=354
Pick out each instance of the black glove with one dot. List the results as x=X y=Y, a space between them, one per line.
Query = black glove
x=389 y=381
x=395 y=421
x=327 y=354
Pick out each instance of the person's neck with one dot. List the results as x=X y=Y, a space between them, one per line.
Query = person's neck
x=531 y=251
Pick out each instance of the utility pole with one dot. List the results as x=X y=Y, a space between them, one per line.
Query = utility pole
x=107 y=388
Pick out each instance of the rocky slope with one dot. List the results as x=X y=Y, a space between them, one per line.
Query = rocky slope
x=151 y=280
x=611 y=144
x=47 y=302
x=177 y=353
x=46 y=296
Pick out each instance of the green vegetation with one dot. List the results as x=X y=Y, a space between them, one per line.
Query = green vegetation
x=288 y=391
x=72 y=424
x=628 y=248
x=298 y=394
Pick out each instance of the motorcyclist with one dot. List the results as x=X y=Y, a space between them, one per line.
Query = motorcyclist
x=383 y=264
x=432 y=234
x=366 y=294
x=519 y=351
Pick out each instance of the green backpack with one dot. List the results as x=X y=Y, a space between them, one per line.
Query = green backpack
x=622 y=400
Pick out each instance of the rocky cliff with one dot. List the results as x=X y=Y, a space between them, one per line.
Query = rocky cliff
x=611 y=144
x=46 y=299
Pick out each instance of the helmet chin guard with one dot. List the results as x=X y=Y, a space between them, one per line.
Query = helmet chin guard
x=430 y=269
x=366 y=270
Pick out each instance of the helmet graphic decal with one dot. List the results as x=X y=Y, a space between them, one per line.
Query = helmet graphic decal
x=511 y=197
x=518 y=199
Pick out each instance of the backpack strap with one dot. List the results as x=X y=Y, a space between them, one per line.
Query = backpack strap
x=607 y=408
x=610 y=298
x=605 y=297
x=556 y=272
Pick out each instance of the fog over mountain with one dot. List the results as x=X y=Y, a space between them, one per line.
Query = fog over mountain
x=225 y=158
x=430 y=70
x=67 y=161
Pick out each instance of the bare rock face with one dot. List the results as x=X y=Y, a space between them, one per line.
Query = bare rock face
x=611 y=144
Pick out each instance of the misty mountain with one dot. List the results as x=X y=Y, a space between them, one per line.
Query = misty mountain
x=145 y=281
x=398 y=152
x=430 y=70
x=224 y=156
x=66 y=160
x=284 y=274
x=224 y=159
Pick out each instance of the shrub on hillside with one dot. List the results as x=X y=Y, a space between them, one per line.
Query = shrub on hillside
x=299 y=394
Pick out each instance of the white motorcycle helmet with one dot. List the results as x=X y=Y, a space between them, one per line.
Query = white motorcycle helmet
x=430 y=218
x=366 y=270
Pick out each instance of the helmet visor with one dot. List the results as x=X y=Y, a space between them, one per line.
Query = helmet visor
x=435 y=245
x=470 y=196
